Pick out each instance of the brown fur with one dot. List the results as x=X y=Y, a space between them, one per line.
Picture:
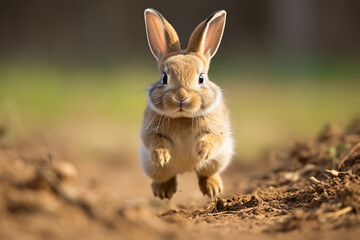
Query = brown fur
x=186 y=123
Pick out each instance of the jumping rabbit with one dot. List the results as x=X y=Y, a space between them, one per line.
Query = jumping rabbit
x=186 y=124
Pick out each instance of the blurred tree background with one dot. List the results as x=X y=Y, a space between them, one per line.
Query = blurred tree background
x=286 y=67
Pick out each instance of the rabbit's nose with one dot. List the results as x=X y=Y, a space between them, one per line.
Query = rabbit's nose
x=181 y=95
x=176 y=99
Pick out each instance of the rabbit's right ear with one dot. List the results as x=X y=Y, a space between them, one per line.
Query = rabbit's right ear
x=162 y=37
x=206 y=37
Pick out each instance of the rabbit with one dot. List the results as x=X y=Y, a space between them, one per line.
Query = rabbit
x=186 y=125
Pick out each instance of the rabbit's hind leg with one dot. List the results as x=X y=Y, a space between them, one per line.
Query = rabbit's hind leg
x=164 y=189
x=210 y=186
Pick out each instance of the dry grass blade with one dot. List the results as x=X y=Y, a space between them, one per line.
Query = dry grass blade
x=339 y=213
x=349 y=155
x=314 y=180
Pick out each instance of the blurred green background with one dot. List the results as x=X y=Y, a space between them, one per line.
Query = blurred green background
x=286 y=67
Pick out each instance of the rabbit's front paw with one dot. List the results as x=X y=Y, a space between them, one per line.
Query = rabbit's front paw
x=160 y=156
x=204 y=149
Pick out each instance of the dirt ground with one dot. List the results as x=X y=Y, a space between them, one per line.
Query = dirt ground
x=51 y=190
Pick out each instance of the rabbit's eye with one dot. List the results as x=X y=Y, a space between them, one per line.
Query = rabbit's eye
x=201 y=79
x=164 y=78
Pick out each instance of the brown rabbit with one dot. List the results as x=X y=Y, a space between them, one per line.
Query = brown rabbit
x=186 y=124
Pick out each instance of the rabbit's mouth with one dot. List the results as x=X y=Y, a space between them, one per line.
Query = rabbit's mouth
x=181 y=106
x=181 y=103
x=181 y=111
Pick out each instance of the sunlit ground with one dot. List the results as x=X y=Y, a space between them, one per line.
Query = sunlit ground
x=104 y=106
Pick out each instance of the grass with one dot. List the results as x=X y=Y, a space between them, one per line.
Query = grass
x=266 y=111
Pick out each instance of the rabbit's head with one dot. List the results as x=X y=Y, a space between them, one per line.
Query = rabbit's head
x=184 y=89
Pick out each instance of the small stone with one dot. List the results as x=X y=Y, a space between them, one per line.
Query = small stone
x=65 y=170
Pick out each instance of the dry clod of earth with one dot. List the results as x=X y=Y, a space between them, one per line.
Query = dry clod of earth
x=329 y=195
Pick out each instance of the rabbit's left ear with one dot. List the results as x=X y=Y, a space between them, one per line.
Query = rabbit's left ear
x=206 y=37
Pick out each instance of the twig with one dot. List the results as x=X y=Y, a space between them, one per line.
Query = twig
x=218 y=213
x=348 y=155
x=339 y=213
x=314 y=180
x=229 y=212
x=332 y=172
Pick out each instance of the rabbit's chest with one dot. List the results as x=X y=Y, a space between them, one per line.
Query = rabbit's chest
x=183 y=141
x=183 y=151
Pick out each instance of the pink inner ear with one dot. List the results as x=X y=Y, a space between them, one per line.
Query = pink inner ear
x=156 y=34
x=213 y=35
